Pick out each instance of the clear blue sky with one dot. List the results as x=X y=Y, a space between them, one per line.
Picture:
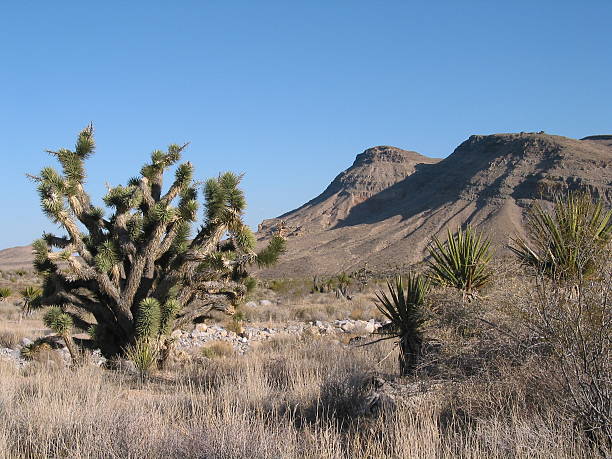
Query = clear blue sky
x=286 y=91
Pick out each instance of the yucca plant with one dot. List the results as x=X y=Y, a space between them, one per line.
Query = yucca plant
x=31 y=298
x=61 y=323
x=462 y=261
x=5 y=292
x=568 y=241
x=403 y=306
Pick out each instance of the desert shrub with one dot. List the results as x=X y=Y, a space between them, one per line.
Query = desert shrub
x=568 y=242
x=462 y=261
x=61 y=323
x=570 y=309
x=144 y=353
x=5 y=292
x=215 y=349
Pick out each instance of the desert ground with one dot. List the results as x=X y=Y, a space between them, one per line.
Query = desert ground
x=288 y=376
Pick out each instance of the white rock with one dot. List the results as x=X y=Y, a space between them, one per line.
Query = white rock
x=201 y=327
x=26 y=341
x=251 y=304
x=369 y=327
x=347 y=327
x=176 y=334
x=265 y=303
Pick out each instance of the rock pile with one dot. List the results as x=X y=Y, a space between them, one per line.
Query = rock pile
x=241 y=342
x=203 y=333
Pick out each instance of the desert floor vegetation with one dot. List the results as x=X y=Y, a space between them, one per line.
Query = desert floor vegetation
x=480 y=390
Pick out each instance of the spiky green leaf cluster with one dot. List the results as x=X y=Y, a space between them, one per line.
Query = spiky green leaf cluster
x=271 y=253
x=181 y=241
x=462 y=261
x=148 y=318
x=107 y=256
x=144 y=354
x=184 y=175
x=123 y=197
x=72 y=165
x=58 y=321
x=168 y=312
x=568 y=241
x=225 y=202
x=162 y=213
x=85 y=144
x=30 y=292
x=403 y=306
x=245 y=239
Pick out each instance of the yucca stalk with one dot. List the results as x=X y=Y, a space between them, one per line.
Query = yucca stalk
x=462 y=261
x=403 y=306
x=144 y=248
x=567 y=242
x=61 y=323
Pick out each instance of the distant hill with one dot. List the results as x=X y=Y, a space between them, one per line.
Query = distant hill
x=372 y=214
x=16 y=258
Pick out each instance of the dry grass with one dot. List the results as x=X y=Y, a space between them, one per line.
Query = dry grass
x=481 y=395
x=273 y=403
x=315 y=306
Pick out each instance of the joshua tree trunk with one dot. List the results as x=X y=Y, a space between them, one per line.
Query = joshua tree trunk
x=75 y=355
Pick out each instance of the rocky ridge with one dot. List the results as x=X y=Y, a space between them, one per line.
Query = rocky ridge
x=489 y=181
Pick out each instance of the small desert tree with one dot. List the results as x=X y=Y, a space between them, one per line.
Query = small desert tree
x=107 y=268
x=61 y=323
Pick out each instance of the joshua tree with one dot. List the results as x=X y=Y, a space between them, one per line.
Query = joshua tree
x=61 y=323
x=404 y=308
x=142 y=253
x=461 y=262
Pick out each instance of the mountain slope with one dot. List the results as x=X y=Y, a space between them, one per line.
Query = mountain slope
x=488 y=181
x=373 y=171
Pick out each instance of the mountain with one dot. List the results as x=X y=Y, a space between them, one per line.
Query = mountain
x=370 y=214
x=16 y=258
x=374 y=170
